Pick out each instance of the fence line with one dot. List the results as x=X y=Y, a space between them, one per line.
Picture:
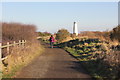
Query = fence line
x=20 y=43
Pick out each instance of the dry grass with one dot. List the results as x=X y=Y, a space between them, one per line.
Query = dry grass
x=96 y=34
x=97 y=57
x=19 y=56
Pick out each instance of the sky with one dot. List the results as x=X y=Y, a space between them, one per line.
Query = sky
x=52 y=16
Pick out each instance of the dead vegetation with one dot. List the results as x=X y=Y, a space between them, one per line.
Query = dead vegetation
x=19 y=56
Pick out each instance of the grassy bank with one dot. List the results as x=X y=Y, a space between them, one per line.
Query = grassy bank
x=19 y=58
x=99 y=59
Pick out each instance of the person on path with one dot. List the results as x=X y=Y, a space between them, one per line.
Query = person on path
x=52 y=40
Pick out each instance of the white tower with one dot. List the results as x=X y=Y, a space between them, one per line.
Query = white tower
x=75 y=29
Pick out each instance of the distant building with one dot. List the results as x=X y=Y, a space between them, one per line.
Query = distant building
x=75 y=29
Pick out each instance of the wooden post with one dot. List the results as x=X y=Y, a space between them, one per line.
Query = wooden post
x=8 y=47
x=14 y=43
x=23 y=43
x=19 y=42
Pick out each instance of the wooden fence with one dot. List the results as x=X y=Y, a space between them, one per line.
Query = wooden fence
x=20 y=43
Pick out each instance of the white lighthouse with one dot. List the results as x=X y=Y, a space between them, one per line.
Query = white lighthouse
x=75 y=29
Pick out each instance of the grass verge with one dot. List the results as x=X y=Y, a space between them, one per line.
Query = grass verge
x=20 y=59
x=94 y=57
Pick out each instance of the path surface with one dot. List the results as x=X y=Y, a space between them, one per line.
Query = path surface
x=53 y=63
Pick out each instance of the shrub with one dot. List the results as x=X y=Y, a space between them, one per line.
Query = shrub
x=18 y=31
x=19 y=56
x=104 y=47
x=44 y=33
x=73 y=35
x=115 y=34
x=62 y=35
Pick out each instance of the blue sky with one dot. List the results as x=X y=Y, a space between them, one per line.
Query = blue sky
x=51 y=16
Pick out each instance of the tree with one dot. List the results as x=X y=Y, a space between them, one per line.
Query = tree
x=62 y=35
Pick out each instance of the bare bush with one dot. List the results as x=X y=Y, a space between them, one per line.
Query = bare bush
x=19 y=55
x=17 y=31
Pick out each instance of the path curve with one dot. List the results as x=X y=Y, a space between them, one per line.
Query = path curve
x=53 y=63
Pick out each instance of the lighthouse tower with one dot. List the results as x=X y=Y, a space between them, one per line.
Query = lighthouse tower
x=75 y=29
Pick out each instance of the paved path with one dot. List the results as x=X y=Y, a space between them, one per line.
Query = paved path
x=53 y=63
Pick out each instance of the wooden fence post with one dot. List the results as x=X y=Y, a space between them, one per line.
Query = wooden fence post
x=14 y=43
x=19 y=42
x=23 y=43
x=8 y=47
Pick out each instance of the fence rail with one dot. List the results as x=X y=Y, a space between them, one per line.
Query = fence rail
x=20 y=43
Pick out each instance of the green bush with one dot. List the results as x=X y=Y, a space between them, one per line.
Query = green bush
x=62 y=35
x=80 y=51
x=44 y=34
